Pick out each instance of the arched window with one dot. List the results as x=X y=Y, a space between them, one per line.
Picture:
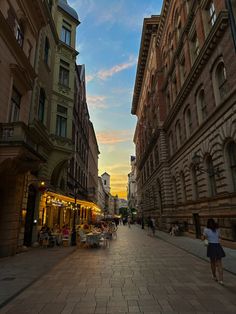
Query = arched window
x=188 y=122
x=178 y=134
x=211 y=176
x=46 y=51
x=231 y=154
x=221 y=80
x=41 y=109
x=201 y=106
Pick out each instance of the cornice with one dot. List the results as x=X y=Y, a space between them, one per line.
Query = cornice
x=150 y=26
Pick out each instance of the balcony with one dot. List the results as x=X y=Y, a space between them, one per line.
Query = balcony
x=18 y=145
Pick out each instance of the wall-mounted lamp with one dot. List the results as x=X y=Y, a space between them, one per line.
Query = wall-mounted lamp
x=197 y=160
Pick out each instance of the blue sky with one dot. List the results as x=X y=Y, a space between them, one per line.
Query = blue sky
x=108 y=41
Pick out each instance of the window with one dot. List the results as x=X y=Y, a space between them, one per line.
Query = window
x=231 y=152
x=41 y=109
x=211 y=176
x=194 y=47
x=50 y=4
x=201 y=106
x=221 y=79
x=15 y=105
x=212 y=13
x=61 y=122
x=46 y=51
x=188 y=122
x=66 y=35
x=19 y=33
x=64 y=76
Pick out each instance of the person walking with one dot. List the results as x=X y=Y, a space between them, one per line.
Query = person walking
x=129 y=221
x=214 y=250
x=153 y=226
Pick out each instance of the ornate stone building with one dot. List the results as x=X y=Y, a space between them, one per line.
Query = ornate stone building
x=184 y=98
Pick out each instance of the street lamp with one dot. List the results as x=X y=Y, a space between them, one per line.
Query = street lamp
x=73 y=234
x=197 y=160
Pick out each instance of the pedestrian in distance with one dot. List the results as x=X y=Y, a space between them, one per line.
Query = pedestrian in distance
x=214 y=250
x=153 y=226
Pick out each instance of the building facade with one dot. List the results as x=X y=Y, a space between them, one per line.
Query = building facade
x=185 y=102
x=93 y=165
x=132 y=186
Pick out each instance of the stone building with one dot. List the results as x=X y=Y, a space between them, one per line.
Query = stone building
x=93 y=165
x=37 y=62
x=132 y=185
x=184 y=98
x=20 y=150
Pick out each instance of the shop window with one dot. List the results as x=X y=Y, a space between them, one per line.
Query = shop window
x=15 y=105
x=61 y=121
x=41 y=109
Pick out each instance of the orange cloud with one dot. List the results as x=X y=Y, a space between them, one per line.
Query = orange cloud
x=114 y=137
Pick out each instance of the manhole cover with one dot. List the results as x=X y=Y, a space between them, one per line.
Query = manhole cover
x=8 y=278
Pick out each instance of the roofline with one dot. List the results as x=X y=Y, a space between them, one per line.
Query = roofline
x=150 y=26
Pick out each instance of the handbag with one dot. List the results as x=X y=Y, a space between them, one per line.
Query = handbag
x=206 y=242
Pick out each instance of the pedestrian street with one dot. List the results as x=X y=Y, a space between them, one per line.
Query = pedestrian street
x=137 y=273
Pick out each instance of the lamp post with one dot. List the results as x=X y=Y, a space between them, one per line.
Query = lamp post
x=73 y=234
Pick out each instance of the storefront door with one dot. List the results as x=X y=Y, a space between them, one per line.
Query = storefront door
x=29 y=218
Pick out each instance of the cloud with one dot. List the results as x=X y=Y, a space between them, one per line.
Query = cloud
x=113 y=137
x=97 y=102
x=106 y=73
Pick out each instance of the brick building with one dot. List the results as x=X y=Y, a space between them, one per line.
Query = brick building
x=184 y=98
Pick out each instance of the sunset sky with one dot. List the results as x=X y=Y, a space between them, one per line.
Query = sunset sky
x=108 y=41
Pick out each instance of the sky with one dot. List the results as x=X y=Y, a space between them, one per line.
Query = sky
x=108 y=41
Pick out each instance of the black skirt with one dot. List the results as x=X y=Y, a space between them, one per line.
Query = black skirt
x=215 y=251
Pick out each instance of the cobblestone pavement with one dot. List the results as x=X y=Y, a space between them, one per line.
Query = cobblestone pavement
x=136 y=274
x=21 y=270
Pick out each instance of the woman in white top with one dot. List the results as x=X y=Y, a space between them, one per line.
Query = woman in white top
x=214 y=250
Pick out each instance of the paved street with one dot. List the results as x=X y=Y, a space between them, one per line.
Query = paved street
x=137 y=274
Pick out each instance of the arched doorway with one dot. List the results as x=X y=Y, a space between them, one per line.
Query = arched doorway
x=29 y=218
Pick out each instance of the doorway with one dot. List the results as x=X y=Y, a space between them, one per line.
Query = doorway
x=29 y=218
x=196 y=220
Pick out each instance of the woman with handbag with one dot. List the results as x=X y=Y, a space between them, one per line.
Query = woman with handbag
x=214 y=250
